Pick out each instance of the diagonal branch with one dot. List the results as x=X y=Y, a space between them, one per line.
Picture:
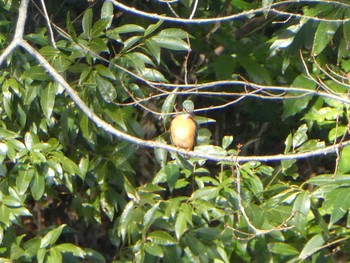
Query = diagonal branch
x=268 y=8
x=19 y=42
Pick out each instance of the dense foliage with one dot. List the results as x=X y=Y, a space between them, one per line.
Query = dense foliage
x=272 y=81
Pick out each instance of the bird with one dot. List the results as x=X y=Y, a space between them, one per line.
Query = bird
x=183 y=127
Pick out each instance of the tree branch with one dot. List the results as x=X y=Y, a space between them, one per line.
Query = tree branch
x=268 y=8
x=18 y=41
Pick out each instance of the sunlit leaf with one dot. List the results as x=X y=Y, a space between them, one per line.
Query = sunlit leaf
x=37 y=186
x=107 y=13
x=301 y=208
x=300 y=136
x=70 y=248
x=106 y=88
x=87 y=22
x=47 y=99
x=172 y=43
x=344 y=164
x=324 y=33
x=180 y=225
x=150 y=216
x=312 y=246
x=154 y=250
x=152 y=28
x=51 y=237
x=161 y=238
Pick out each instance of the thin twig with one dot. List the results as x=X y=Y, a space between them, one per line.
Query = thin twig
x=194 y=9
x=48 y=23
x=270 y=8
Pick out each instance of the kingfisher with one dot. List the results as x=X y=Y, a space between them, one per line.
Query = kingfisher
x=184 y=128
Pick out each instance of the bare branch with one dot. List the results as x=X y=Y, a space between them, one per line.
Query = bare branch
x=270 y=8
x=48 y=23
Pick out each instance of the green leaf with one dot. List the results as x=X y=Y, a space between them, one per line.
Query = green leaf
x=168 y=106
x=99 y=27
x=324 y=34
x=11 y=201
x=106 y=88
x=70 y=248
x=31 y=93
x=29 y=140
x=327 y=179
x=4 y=214
x=152 y=28
x=211 y=150
x=107 y=207
x=51 y=237
x=98 y=45
x=254 y=184
x=35 y=73
x=206 y=193
x=325 y=114
x=49 y=52
x=161 y=238
x=311 y=145
x=203 y=136
x=130 y=42
x=161 y=154
x=154 y=49
x=300 y=136
x=344 y=164
x=154 y=250
x=84 y=165
x=87 y=23
x=94 y=256
x=70 y=166
x=282 y=249
x=203 y=120
x=16 y=252
x=3 y=151
x=41 y=255
x=339 y=201
x=346 y=32
x=153 y=75
x=267 y=3
x=172 y=174
x=225 y=66
x=107 y=13
x=129 y=28
x=312 y=246
x=37 y=186
x=173 y=32
x=294 y=106
x=23 y=180
x=7 y=102
x=285 y=39
x=54 y=256
x=302 y=207
x=104 y=71
x=31 y=247
x=172 y=43
x=47 y=99
x=257 y=72
x=180 y=224
x=70 y=27
x=149 y=217
x=125 y=219
x=226 y=141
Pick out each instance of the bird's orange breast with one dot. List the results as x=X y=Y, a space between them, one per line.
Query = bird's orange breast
x=183 y=131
